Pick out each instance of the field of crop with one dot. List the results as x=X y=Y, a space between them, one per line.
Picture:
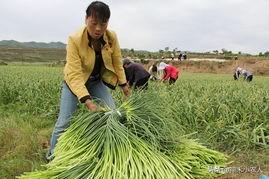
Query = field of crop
x=223 y=114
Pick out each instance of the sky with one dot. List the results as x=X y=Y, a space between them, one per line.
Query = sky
x=188 y=25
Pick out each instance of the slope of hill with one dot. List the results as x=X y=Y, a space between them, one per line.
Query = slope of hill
x=16 y=44
x=32 y=55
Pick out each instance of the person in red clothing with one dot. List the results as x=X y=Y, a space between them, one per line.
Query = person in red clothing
x=170 y=72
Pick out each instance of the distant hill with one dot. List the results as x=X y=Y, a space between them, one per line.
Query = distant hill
x=16 y=44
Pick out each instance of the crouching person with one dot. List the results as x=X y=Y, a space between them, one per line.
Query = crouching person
x=88 y=70
x=136 y=75
x=169 y=72
x=247 y=75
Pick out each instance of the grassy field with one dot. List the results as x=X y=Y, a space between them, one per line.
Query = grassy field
x=223 y=114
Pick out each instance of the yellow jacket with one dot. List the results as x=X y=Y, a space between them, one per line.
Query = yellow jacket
x=80 y=59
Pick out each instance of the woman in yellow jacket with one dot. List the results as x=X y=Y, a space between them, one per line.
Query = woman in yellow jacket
x=93 y=63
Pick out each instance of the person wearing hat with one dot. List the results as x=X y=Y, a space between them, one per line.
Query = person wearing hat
x=136 y=75
x=93 y=63
x=170 y=72
x=248 y=76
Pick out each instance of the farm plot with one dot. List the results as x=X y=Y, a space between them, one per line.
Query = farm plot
x=222 y=114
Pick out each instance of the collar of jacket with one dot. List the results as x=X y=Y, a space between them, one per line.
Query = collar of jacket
x=102 y=39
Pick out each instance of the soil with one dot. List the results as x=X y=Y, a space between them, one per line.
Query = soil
x=219 y=66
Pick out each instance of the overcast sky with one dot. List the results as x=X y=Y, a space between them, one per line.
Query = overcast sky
x=193 y=25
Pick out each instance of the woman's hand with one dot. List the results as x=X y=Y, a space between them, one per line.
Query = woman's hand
x=90 y=105
x=126 y=90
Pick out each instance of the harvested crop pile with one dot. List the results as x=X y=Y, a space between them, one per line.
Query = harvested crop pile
x=131 y=142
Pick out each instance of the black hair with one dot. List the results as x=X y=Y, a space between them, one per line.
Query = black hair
x=126 y=61
x=154 y=68
x=99 y=10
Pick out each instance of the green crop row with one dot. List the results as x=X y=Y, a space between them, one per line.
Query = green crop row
x=226 y=115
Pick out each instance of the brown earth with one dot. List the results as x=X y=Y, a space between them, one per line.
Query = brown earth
x=257 y=67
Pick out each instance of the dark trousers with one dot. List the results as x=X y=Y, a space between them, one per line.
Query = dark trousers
x=235 y=77
x=249 y=78
x=142 y=83
x=172 y=81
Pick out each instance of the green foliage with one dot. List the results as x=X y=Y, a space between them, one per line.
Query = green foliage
x=32 y=55
x=2 y=63
x=223 y=114
x=143 y=61
x=37 y=89
x=226 y=57
x=166 y=48
x=127 y=143
x=266 y=53
x=20 y=141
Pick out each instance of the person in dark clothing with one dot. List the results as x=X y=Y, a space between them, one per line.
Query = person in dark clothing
x=184 y=56
x=179 y=56
x=135 y=74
